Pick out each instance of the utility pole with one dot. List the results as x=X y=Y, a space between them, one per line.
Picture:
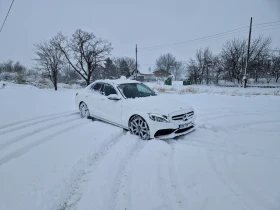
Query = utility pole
x=136 y=70
x=248 y=52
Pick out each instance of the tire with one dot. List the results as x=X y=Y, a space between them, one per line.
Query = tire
x=84 y=111
x=138 y=126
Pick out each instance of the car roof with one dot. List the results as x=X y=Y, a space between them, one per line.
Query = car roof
x=117 y=81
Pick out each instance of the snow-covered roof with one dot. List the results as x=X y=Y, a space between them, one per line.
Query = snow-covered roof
x=145 y=70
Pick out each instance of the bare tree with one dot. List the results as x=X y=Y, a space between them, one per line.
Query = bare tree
x=275 y=66
x=130 y=62
x=258 y=56
x=204 y=59
x=178 y=69
x=49 y=59
x=193 y=71
x=84 y=52
x=234 y=57
x=217 y=69
x=230 y=63
x=166 y=62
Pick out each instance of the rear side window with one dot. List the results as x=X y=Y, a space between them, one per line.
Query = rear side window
x=96 y=87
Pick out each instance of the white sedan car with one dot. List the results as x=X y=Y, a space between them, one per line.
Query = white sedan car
x=135 y=107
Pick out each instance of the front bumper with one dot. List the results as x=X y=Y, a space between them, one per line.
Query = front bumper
x=170 y=130
x=172 y=133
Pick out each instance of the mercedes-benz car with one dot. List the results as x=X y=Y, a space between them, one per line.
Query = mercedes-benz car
x=134 y=106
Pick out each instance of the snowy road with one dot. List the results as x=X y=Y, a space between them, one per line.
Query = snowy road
x=52 y=159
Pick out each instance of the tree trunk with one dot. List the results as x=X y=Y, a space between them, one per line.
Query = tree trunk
x=207 y=75
x=55 y=84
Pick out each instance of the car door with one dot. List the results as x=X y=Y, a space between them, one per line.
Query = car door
x=111 y=109
x=94 y=98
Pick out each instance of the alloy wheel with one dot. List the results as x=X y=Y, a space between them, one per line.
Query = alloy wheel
x=138 y=126
x=84 y=112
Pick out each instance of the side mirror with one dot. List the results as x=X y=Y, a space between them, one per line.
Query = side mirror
x=114 y=97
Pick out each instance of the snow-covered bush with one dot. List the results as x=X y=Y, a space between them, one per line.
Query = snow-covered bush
x=8 y=76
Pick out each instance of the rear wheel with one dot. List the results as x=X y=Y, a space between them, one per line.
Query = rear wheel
x=84 y=112
x=138 y=126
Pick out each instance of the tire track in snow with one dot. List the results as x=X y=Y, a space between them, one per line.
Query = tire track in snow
x=171 y=185
x=33 y=132
x=80 y=177
x=19 y=152
x=252 y=153
x=30 y=119
x=241 y=188
x=219 y=116
x=247 y=190
x=35 y=122
x=240 y=125
x=123 y=179
x=177 y=193
x=222 y=178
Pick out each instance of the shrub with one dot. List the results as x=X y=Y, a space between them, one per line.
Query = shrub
x=168 y=81
x=173 y=89
x=187 y=82
x=161 y=89
x=189 y=90
x=8 y=76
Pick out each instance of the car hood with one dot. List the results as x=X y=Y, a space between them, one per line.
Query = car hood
x=157 y=104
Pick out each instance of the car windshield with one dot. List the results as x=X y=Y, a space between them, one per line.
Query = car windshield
x=135 y=90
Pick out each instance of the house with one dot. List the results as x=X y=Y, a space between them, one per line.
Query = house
x=143 y=75
x=162 y=74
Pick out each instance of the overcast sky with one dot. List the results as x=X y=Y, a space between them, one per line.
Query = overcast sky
x=128 y=22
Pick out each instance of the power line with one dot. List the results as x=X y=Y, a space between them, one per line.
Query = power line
x=199 y=41
x=7 y=16
x=266 y=23
x=220 y=35
x=266 y=29
x=177 y=43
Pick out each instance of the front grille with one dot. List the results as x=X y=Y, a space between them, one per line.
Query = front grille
x=164 y=132
x=183 y=117
x=178 y=117
x=190 y=113
x=184 y=130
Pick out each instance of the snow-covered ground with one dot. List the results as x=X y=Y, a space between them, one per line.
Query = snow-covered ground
x=178 y=87
x=50 y=159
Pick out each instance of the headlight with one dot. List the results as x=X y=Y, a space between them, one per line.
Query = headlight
x=158 y=118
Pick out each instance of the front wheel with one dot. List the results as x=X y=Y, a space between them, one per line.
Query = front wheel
x=138 y=126
x=84 y=112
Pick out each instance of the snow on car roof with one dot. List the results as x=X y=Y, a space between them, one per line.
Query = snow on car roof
x=118 y=81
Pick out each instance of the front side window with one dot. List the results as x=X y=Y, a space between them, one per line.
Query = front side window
x=108 y=90
x=135 y=90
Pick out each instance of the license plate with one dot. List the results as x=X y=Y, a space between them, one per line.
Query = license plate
x=182 y=126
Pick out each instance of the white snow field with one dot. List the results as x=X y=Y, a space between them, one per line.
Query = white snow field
x=50 y=159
